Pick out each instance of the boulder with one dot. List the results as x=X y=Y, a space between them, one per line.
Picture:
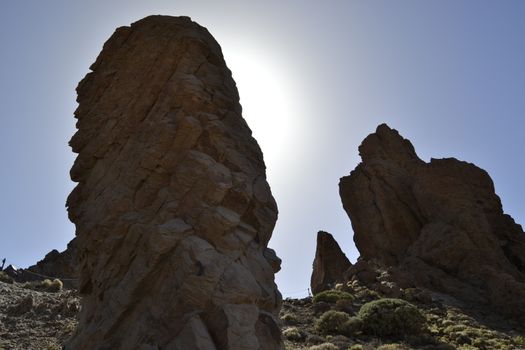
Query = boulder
x=329 y=265
x=440 y=221
x=172 y=209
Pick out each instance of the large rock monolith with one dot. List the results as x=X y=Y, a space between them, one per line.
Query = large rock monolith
x=441 y=221
x=172 y=209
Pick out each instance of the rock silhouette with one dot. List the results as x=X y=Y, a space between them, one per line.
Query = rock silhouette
x=329 y=265
x=440 y=221
x=172 y=210
x=55 y=264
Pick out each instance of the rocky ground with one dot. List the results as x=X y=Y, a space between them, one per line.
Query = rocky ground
x=34 y=316
x=448 y=324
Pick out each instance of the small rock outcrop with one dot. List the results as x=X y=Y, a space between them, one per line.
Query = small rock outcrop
x=61 y=265
x=329 y=265
x=440 y=221
x=172 y=209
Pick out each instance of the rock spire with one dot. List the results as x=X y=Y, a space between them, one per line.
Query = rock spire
x=172 y=209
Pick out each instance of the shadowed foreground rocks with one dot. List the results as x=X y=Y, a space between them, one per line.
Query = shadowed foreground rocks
x=172 y=210
x=440 y=224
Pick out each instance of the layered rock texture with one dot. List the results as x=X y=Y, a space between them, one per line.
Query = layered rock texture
x=440 y=221
x=329 y=265
x=172 y=209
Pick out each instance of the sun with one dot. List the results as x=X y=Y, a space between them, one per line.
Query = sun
x=267 y=102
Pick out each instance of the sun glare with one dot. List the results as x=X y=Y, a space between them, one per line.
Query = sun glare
x=266 y=99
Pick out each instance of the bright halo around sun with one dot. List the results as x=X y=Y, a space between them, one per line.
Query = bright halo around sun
x=267 y=102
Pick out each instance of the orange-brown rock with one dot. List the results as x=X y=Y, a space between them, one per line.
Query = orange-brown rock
x=441 y=221
x=172 y=210
x=329 y=265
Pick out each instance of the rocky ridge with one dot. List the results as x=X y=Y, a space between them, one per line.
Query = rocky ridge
x=439 y=225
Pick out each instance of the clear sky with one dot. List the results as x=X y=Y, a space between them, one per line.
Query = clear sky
x=315 y=77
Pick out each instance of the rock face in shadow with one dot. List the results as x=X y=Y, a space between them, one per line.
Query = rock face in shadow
x=172 y=210
x=441 y=221
x=329 y=265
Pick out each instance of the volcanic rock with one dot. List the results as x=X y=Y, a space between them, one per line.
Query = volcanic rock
x=329 y=265
x=172 y=209
x=441 y=221
x=61 y=265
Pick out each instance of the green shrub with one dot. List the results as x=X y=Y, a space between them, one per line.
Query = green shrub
x=332 y=322
x=391 y=317
x=293 y=334
x=353 y=326
x=337 y=322
x=53 y=346
x=4 y=277
x=339 y=286
x=345 y=305
x=289 y=319
x=332 y=296
x=324 y=346
x=392 y=347
x=519 y=340
x=356 y=347
x=52 y=286
x=367 y=294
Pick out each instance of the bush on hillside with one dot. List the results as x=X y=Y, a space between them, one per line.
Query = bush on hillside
x=332 y=296
x=337 y=322
x=391 y=317
x=52 y=286
x=4 y=277
x=293 y=334
x=324 y=346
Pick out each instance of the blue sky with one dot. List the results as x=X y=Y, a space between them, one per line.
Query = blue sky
x=314 y=78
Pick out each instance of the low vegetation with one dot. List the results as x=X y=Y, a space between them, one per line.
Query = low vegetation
x=47 y=285
x=293 y=333
x=358 y=323
x=332 y=296
x=32 y=317
x=4 y=277
x=391 y=317
x=324 y=346
x=55 y=285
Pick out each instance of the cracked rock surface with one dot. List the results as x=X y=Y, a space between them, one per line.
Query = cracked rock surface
x=172 y=210
x=441 y=221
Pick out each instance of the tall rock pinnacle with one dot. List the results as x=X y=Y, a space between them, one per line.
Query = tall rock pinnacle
x=172 y=210
x=441 y=221
x=329 y=264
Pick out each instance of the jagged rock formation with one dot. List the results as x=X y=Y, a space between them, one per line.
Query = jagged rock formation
x=172 y=209
x=55 y=264
x=441 y=221
x=329 y=265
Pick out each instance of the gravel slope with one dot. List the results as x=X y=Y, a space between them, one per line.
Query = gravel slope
x=35 y=319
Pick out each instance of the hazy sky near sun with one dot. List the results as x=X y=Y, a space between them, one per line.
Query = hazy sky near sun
x=315 y=77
